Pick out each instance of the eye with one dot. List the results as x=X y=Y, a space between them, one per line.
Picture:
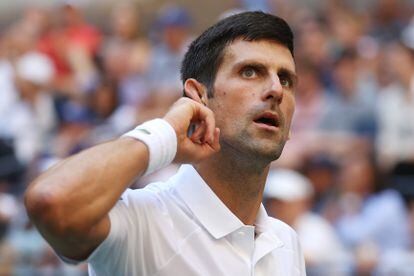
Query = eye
x=285 y=82
x=248 y=72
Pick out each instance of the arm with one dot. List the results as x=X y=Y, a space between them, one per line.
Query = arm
x=69 y=204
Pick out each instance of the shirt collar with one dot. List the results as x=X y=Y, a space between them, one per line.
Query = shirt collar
x=262 y=220
x=212 y=213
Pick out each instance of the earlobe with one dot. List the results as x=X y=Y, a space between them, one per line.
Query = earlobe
x=195 y=90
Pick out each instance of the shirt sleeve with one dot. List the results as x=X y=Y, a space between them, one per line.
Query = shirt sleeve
x=138 y=221
x=115 y=241
x=123 y=248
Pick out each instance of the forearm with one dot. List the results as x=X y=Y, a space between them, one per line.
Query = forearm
x=70 y=203
x=78 y=192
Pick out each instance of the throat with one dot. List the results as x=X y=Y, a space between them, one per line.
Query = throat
x=239 y=189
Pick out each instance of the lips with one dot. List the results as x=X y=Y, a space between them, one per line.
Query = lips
x=268 y=119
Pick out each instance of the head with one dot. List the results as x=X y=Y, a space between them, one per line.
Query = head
x=359 y=175
x=125 y=21
x=310 y=85
x=34 y=74
x=322 y=171
x=288 y=195
x=345 y=72
x=70 y=13
x=206 y=53
x=399 y=61
x=242 y=68
x=175 y=24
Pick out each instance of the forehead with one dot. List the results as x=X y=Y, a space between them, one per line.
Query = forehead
x=270 y=53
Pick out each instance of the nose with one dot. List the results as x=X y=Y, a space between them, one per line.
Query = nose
x=273 y=90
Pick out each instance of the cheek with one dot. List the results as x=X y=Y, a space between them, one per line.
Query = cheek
x=229 y=113
x=230 y=103
x=288 y=108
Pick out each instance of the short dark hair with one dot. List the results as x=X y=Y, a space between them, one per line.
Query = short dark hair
x=205 y=54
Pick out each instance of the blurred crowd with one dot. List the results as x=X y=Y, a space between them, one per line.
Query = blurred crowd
x=345 y=181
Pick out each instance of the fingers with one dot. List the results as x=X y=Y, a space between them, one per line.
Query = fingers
x=216 y=142
x=206 y=117
x=199 y=151
x=186 y=111
x=204 y=141
x=199 y=133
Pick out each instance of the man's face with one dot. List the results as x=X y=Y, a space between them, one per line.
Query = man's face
x=254 y=99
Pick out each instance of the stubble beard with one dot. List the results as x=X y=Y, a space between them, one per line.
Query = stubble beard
x=255 y=150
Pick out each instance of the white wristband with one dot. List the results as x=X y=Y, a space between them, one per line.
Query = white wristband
x=160 y=138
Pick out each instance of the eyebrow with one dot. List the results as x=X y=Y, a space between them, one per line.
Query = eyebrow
x=245 y=63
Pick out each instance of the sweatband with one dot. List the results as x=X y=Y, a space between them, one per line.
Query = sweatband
x=161 y=140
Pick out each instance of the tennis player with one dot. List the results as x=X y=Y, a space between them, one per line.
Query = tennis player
x=239 y=81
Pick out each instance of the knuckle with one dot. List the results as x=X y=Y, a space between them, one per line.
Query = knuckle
x=210 y=113
x=181 y=101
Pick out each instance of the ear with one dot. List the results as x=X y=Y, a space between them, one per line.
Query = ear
x=196 y=91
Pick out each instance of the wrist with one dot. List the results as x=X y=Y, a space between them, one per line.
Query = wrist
x=161 y=140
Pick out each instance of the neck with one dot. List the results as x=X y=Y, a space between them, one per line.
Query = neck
x=238 y=184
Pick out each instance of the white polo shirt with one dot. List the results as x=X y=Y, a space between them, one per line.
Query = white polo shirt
x=182 y=228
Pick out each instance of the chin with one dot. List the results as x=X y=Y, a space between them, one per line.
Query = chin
x=268 y=152
x=273 y=155
x=267 y=149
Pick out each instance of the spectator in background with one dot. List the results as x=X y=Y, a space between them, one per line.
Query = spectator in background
x=108 y=118
x=395 y=109
x=99 y=99
x=9 y=94
x=174 y=24
x=8 y=206
x=103 y=101
x=30 y=117
x=16 y=40
x=310 y=100
x=255 y=5
x=349 y=109
x=345 y=27
x=288 y=197
x=315 y=35
x=372 y=221
x=322 y=172
x=310 y=103
x=73 y=46
x=125 y=55
x=389 y=18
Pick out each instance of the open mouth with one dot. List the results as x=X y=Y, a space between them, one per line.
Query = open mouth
x=268 y=119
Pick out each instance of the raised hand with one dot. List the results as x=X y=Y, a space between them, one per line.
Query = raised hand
x=204 y=141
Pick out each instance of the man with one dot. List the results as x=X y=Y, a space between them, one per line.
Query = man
x=239 y=79
x=288 y=196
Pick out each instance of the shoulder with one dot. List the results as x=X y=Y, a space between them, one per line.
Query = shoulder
x=291 y=246
x=280 y=226
x=284 y=232
x=153 y=195
x=390 y=198
x=149 y=191
x=391 y=93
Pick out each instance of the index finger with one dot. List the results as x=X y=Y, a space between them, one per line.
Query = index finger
x=205 y=114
